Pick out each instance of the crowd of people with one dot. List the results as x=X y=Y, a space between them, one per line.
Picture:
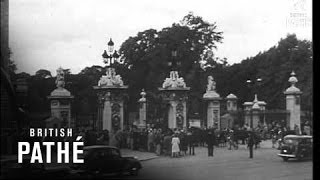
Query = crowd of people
x=182 y=142
x=176 y=142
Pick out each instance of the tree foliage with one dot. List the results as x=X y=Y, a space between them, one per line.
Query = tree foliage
x=147 y=54
x=146 y=58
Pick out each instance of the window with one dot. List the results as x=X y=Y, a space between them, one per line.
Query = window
x=115 y=152
x=291 y=141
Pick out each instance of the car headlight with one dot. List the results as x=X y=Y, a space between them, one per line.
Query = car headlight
x=135 y=157
x=285 y=151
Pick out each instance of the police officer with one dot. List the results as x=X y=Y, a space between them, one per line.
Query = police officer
x=250 y=144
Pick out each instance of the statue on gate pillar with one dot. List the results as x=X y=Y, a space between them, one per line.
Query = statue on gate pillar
x=174 y=91
x=293 y=95
x=211 y=86
x=213 y=99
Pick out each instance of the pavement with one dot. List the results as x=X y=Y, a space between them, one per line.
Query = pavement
x=144 y=156
x=227 y=164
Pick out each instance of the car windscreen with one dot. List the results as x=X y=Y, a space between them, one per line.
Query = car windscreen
x=291 y=141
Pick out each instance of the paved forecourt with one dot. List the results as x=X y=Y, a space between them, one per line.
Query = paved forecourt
x=227 y=164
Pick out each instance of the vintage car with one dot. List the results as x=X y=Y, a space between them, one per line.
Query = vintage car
x=100 y=160
x=10 y=168
x=296 y=146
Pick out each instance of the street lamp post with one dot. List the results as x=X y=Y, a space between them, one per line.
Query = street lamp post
x=173 y=62
x=111 y=92
x=174 y=92
x=253 y=85
x=112 y=57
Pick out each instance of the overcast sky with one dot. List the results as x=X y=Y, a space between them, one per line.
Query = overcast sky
x=47 y=34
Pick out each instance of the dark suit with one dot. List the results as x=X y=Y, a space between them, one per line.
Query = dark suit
x=191 y=141
x=211 y=141
x=251 y=142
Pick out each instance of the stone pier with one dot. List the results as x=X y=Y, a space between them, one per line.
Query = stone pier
x=213 y=109
x=174 y=92
x=111 y=92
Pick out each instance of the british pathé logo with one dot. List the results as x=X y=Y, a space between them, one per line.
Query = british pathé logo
x=51 y=144
x=298 y=14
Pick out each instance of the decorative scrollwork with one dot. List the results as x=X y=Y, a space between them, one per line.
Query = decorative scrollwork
x=174 y=81
x=179 y=115
x=110 y=79
x=115 y=116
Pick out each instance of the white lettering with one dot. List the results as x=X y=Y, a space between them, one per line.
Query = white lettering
x=31 y=132
x=39 y=133
x=62 y=132
x=76 y=151
x=69 y=132
x=36 y=153
x=48 y=147
x=63 y=151
x=21 y=152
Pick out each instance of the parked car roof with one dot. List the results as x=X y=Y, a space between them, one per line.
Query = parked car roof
x=297 y=136
x=98 y=147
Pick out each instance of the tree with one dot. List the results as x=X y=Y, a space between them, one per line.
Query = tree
x=43 y=73
x=147 y=54
x=66 y=71
x=12 y=67
x=274 y=67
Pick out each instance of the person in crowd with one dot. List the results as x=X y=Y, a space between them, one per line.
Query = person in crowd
x=157 y=141
x=202 y=137
x=257 y=139
x=251 y=142
x=119 y=138
x=105 y=137
x=296 y=129
x=280 y=138
x=175 y=146
x=231 y=140
x=191 y=142
x=211 y=141
x=90 y=138
x=135 y=139
x=115 y=138
x=183 y=143
x=99 y=138
x=124 y=137
x=265 y=131
x=130 y=138
x=246 y=127
x=144 y=140
x=307 y=129
x=274 y=138
x=167 y=143
x=151 y=137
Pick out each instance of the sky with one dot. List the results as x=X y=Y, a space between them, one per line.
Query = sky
x=47 y=34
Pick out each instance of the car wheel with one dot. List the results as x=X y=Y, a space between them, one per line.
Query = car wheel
x=285 y=158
